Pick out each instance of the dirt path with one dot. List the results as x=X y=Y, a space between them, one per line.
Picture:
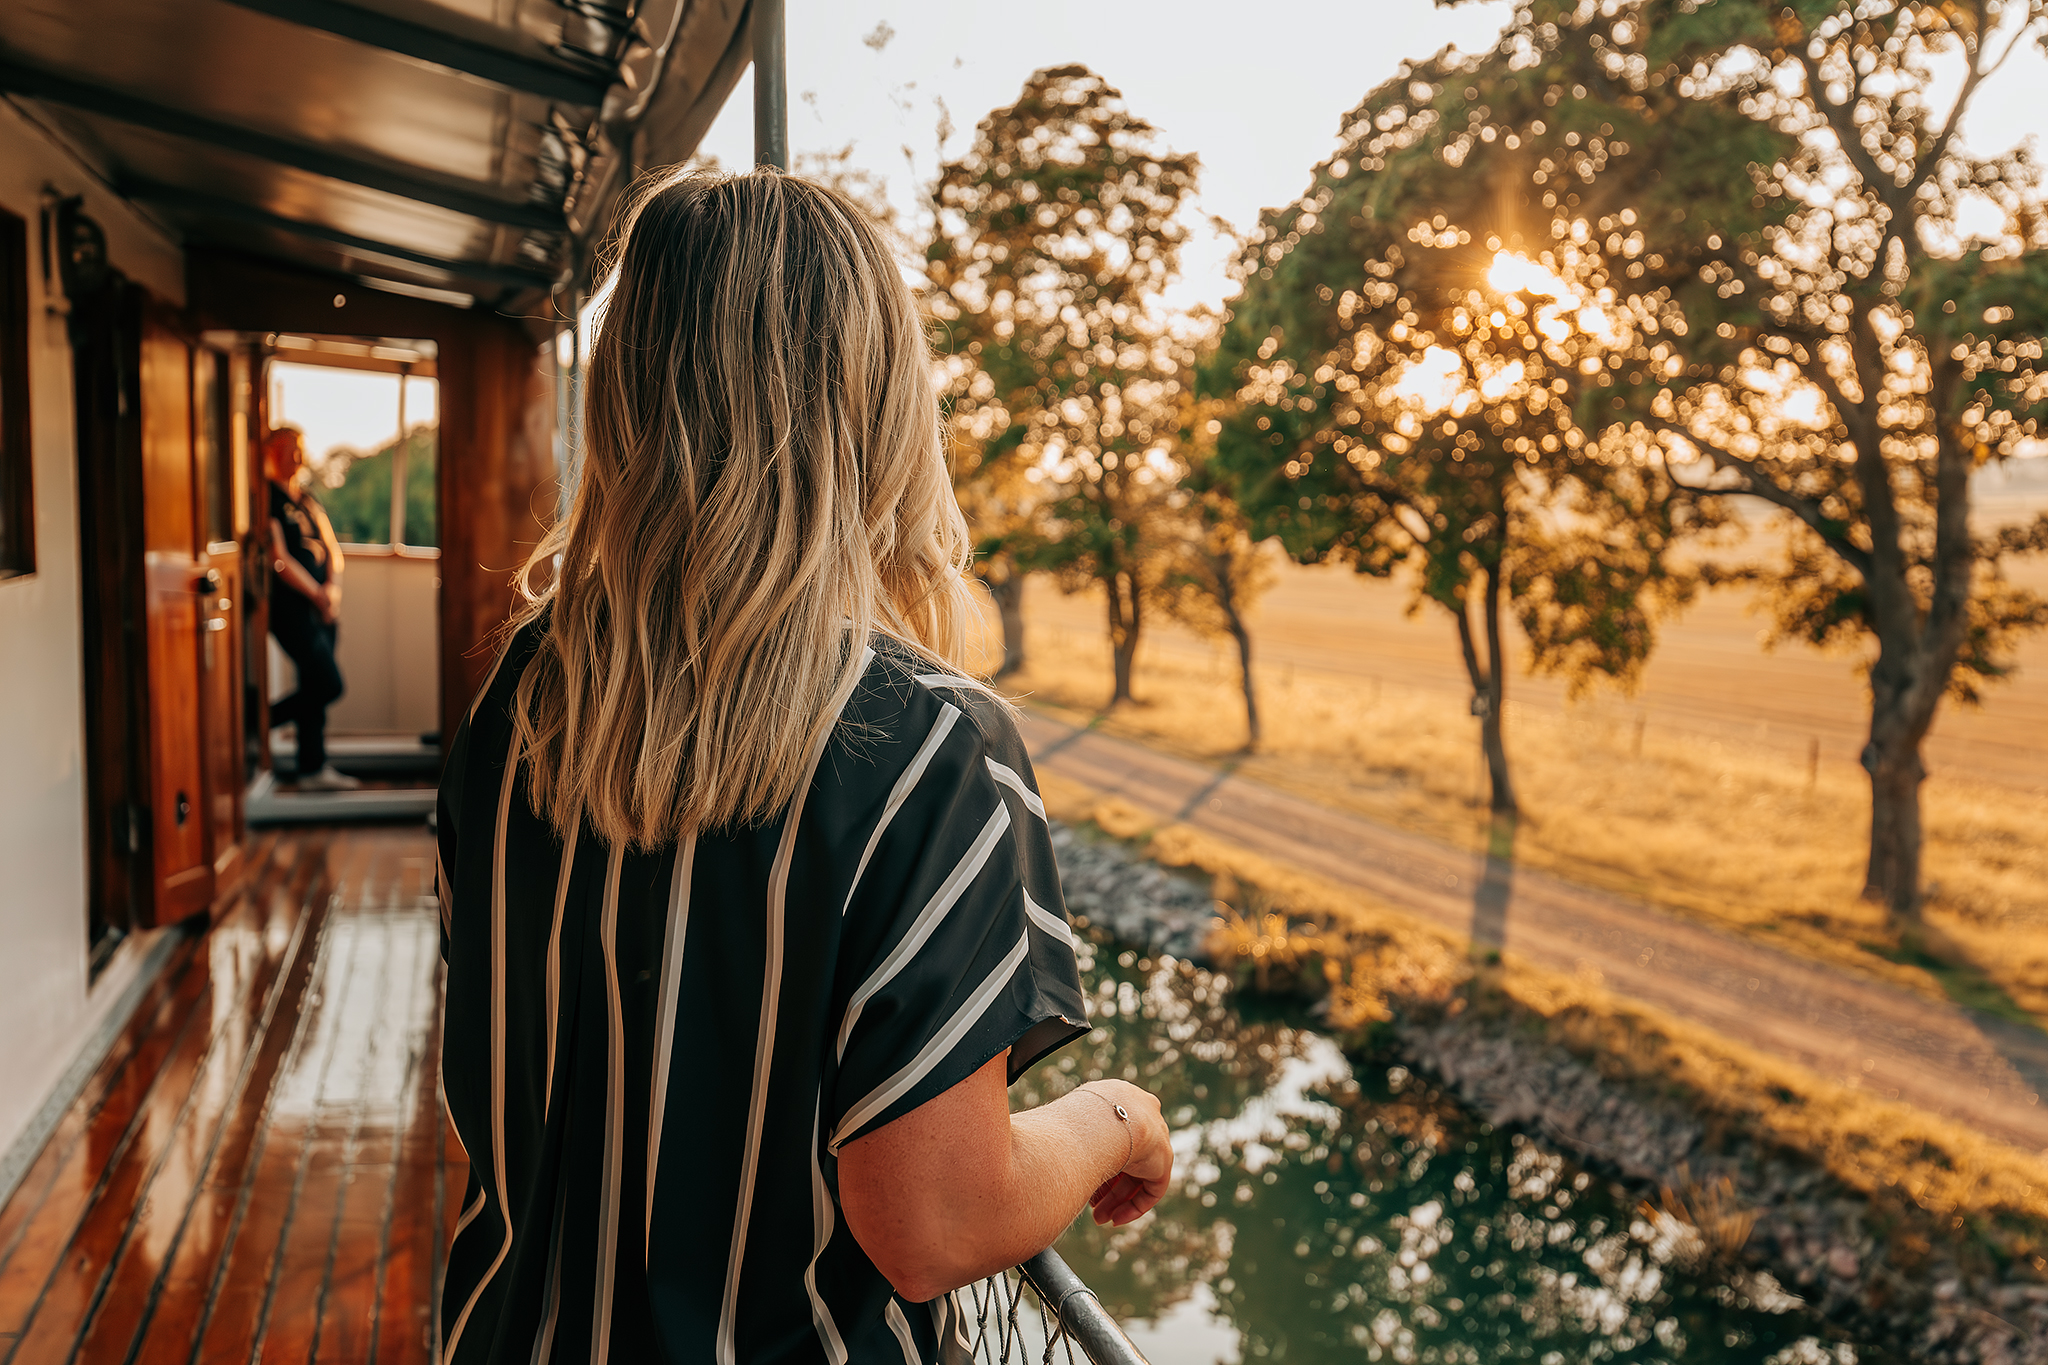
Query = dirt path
x=1977 y=1070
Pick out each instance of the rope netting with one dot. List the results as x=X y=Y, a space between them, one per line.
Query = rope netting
x=1000 y=1330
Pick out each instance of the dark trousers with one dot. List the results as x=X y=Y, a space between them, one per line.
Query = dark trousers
x=310 y=642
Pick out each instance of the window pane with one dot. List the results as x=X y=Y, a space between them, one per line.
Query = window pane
x=422 y=527
x=356 y=491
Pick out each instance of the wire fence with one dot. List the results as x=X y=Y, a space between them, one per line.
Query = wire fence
x=1039 y=1313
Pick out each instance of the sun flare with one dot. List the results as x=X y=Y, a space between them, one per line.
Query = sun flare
x=1517 y=274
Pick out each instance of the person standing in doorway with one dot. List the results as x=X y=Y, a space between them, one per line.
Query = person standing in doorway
x=305 y=610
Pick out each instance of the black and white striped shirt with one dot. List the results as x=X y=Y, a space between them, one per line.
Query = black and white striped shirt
x=652 y=1058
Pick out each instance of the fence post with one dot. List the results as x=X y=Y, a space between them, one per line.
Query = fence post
x=771 y=87
x=1078 y=1310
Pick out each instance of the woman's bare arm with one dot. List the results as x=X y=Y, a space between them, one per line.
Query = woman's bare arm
x=295 y=576
x=959 y=1188
x=336 y=565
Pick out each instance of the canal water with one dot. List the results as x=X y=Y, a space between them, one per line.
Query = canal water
x=1328 y=1213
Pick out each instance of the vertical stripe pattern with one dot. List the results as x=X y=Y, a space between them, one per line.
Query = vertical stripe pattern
x=497 y=1038
x=676 y=932
x=568 y=868
x=614 y=1120
x=687 y=1035
x=764 y=1046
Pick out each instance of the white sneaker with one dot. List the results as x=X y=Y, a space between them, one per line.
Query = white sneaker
x=328 y=780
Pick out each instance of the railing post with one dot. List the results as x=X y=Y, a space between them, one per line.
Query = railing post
x=1079 y=1311
x=771 y=86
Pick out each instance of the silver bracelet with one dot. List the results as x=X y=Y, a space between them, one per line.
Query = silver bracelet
x=1122 y=1114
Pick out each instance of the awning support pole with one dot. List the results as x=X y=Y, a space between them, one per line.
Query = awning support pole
x=771 y=87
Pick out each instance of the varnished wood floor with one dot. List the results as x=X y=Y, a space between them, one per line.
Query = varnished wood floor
x=260 y=1170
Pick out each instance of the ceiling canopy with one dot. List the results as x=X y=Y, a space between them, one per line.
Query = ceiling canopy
x=475 y=147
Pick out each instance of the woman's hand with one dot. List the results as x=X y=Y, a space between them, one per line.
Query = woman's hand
x=329 y=603
x=1130 y=1193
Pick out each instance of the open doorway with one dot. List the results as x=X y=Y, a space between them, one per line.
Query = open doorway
x=369 y=409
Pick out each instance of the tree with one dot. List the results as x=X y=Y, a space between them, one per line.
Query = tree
x=355 y=488
x=1053 y=236
x=1217 y=570
x=1001 y=491
x=1762 y=263
x=1396 y=413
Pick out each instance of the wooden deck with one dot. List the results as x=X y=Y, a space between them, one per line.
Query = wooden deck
x=261 y=1169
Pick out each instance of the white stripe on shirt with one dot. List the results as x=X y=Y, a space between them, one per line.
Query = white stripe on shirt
x=912 y=775
x=951 y=680
x=928 y=919
x=822 y=1221
x=1009 y=778
x=771 y=996
x=1047 y=920
x=900 y=1325
x=614 y=1119
x=505 y=790
x=566 y=868
x=665 y=1017
x=942 y=1043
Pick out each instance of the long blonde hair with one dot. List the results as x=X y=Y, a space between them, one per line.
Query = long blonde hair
x=763 y=489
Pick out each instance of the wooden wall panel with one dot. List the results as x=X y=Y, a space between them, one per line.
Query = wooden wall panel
x=497 y=481
x=168 y=509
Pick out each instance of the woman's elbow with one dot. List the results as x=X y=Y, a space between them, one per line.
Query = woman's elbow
x=915 y=1286
x=917 y=1253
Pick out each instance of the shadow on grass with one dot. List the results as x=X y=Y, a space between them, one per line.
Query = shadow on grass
x=1496 y=890
x=1963 y=981
x=2013 y=1032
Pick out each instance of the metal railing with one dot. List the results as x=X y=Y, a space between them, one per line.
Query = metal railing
x=1037 y=1312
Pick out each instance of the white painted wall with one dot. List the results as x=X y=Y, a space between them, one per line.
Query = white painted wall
x=47 y=1008
x=389 y=647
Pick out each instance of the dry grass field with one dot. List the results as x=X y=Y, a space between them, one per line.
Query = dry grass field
x=1699 y=794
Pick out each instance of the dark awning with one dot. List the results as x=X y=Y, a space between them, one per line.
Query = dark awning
x=476 y=147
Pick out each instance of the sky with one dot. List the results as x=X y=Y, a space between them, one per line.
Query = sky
x=1256 y=91
x=1259 y=102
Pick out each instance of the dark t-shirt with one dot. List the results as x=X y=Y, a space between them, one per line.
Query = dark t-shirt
x=302 y=538
x=653 y=1056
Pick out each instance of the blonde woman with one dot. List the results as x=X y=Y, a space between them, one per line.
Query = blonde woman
x=749 y=905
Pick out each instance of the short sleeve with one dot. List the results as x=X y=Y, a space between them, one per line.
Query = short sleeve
x=957 y=937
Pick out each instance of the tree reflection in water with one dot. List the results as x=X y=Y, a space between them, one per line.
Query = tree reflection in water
x=1323 y=1215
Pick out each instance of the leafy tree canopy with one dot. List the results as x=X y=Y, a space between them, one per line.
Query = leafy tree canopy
x=1054 y=235
x=1744 y=237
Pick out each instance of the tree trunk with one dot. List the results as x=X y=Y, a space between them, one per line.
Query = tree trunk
x=1121 y=589
x=1892 y=758
x=1223 y=566
x=1244 y=675
x=1008 y=592
x=1489 y=690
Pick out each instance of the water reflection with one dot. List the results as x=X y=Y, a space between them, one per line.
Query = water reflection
x=1325 y=1215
